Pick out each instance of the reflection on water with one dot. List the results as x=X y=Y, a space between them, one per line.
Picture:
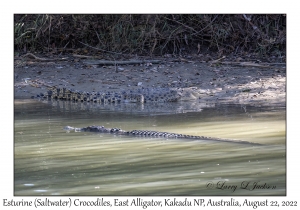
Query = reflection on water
x=49 y=161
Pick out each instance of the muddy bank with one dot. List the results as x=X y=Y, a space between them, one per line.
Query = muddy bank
x=221 y=83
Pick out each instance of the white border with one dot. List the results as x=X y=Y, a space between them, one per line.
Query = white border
x=154 y=6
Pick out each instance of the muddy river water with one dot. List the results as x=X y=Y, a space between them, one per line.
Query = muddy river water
x=51 y=161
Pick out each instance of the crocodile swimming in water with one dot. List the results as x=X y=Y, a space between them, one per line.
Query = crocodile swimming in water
x=142 y=95
x=146 y=133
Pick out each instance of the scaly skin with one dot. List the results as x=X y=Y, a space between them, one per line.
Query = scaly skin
x=133 y=96
x=146 y=133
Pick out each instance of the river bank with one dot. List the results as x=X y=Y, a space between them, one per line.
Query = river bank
x=220 y=83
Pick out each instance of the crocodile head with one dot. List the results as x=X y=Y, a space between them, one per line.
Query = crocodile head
x=190 y=93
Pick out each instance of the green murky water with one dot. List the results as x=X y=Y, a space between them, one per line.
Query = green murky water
x=49 y=161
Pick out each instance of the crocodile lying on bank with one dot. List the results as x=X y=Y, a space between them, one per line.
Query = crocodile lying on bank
x=142 y=95
x=146 y=133
x=152 y=109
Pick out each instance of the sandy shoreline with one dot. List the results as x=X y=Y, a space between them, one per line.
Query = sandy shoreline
x=223 y=83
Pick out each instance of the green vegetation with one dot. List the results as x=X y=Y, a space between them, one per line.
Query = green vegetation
x=152 y=34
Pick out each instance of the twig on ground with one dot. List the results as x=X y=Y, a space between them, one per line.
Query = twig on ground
x=116 y=63
x=32 y=56
x=86 y=56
